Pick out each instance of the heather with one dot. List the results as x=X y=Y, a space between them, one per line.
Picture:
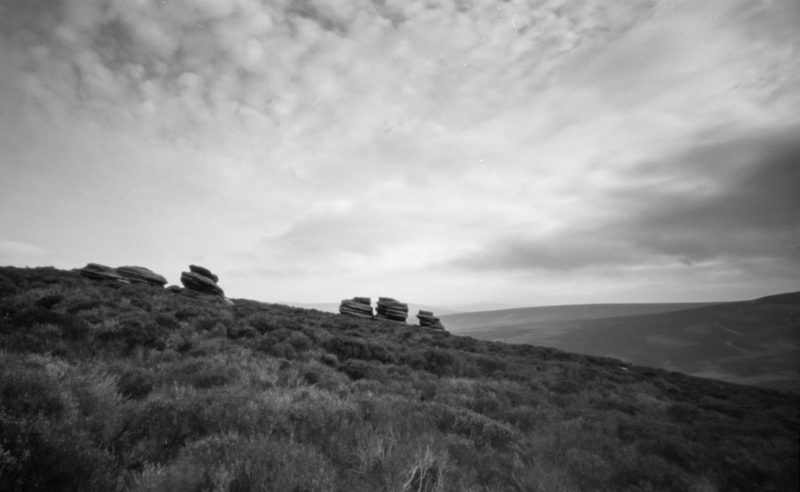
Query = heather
x=105 y=386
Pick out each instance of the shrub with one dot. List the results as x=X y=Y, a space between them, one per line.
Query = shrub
x=481 y=430
x=134 y=332
x=203 y=373
x=299 y=341
x=26 y=391
x=7 y=286
x=49 y=301
x=282 y=349
x=263 y=323
x=40 y=455
x=437 y=361
x=360 y=369
x=350 y=348
x=241 y=331
x=84 y=305
x=238 y=464
x=136 y=383
x=186 y=314
x=167 y=321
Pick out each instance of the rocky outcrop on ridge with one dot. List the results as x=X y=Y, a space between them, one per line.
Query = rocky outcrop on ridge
x=204 y=283
x=204 y=272
x=391 y=309
x=123 y=274
x=141 y=275
x=96 y=271
x=360 y=307
x=428 y=320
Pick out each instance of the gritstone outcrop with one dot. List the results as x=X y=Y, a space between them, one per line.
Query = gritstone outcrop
x=96 y=271
x=428 y=320
x=360 y=307
x=141 y=275
x=391 y=309
x=201 y=280
x=123 y=274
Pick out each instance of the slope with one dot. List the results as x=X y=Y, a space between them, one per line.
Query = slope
x=135 y=388
x=748 y=342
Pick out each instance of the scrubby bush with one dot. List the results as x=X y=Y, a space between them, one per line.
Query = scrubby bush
x=350 y=348
x=263 y=323
x=361 y=369
x=49 y=301
x=202 y=373
x=299 y=341
x=136 y=383
x=235 y=463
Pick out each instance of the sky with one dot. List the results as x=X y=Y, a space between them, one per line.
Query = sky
x=446 y=152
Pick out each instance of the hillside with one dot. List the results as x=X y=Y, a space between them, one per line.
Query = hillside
x=137 y=388
x=750 y=342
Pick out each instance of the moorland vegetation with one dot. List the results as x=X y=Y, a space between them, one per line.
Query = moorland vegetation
x=105 y=387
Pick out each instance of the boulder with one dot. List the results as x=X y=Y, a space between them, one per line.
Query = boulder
x=360 y=307
x=200 y=283
x=428 y=320
x=391 y=309
x=204 y=272
x=96 y=271
x=141 y=275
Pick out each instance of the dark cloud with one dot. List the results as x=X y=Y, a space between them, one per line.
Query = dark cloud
x=569 y=250
x=27 y=20
x=751 y=213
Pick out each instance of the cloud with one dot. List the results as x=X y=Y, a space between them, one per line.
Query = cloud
x=751 y=215
x=389 y=139
x=11 y=248
x=696 y=207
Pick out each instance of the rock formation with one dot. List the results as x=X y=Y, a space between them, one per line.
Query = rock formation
x=204 y=272
x=360 y=307
x=391 y=310
x=123 y=274
x=428 y=320
x=141 y=275
x=96 y=271
x=201 y=280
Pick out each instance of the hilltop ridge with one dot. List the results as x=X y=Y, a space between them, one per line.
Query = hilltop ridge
x=133 y=387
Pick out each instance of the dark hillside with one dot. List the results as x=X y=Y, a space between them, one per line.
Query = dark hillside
x=748 y=342
x=752 y=342
x=106 y=386
x=509 y=322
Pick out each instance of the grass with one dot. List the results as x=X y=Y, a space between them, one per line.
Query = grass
x=134 y=388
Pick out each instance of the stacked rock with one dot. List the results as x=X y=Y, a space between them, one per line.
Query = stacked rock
x=428 y=320
x=200 y=279
x=141 y=275
x=123 y=274
x=391 y=309
x=96 y=271
x=204 y=272
x=360 y=307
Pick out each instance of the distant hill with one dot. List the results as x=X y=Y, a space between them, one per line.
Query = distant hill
x=749 y=342
x=124 y=387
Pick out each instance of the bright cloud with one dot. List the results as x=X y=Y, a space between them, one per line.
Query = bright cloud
x=527 y=151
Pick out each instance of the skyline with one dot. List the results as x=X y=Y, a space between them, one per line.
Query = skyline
x=439 y=152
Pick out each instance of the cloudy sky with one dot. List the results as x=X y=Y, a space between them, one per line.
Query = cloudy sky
x=445 y=152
